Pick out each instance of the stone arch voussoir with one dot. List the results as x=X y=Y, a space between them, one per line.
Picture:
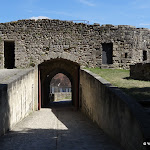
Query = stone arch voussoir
x=63 y=55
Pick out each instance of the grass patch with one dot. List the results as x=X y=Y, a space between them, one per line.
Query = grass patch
x=140 y=90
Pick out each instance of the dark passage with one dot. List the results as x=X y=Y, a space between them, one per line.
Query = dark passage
x=9 y=55
x=58 y=91
x=107 y=53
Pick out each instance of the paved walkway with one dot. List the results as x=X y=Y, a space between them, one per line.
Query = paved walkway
x=56 y=129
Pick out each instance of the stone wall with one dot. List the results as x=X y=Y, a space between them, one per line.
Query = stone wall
x=116 y=113
x=140 y=71
x=36 y=41
x=18 y=96
x=62 y=96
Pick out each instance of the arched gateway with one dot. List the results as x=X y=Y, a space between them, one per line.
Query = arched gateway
x=48 y=69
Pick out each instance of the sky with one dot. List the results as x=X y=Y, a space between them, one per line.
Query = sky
x=115 y=12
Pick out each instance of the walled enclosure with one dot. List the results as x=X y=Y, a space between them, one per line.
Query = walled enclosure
x=117 y=114
x=56 y=46
x=36 y=41
x=18 y=96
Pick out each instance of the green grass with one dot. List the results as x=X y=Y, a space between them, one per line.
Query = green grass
x=140 y=90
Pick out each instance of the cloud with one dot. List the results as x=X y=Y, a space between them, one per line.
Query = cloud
x=87 y=2
x=39 y=17
x=144 y=24
x=138 y=4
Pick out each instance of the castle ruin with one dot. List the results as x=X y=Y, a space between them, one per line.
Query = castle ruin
x=32 y=52
x=27 y=43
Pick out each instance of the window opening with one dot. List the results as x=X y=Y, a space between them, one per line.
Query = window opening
x=126 y=55
x=144 y=55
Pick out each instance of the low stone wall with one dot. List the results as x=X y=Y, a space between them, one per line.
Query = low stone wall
x=140 y=71
x=18 y=96
x=116 y=113
x=62 y=96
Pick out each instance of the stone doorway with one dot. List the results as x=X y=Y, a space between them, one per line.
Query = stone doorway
x=50 y=68
x=107 y=53
x=9 y=54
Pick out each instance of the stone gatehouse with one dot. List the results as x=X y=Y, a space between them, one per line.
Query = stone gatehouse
x=27 y=43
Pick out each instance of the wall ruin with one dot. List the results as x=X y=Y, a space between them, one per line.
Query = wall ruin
x=36 y=41
x=140 y=71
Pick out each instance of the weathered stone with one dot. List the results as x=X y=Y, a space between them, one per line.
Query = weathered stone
x=115 y=112
x=40 y=38
x=140 y=71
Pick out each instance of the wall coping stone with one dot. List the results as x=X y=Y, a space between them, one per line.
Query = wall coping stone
x=68 y=22
x=12 y=76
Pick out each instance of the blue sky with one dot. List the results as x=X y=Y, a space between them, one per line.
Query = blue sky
x=116 y=12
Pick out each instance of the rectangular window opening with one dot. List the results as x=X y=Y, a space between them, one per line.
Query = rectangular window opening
x=9 y=54
x=144 y=55
x=126 y=55
x=107 y=53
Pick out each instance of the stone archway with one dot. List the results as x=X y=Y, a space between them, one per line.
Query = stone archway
x=48 y=69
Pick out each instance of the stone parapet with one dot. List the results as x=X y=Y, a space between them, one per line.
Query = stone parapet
x=120 y=116
x=18 y=96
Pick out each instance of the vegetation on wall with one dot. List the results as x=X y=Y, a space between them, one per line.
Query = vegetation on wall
x=32 y=64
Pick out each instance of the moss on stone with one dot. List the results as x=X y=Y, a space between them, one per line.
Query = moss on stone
x=32 y=64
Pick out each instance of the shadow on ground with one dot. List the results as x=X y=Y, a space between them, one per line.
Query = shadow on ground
x=138 y=93
x=68 y=129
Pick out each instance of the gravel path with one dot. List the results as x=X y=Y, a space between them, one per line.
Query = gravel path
x=56 y=129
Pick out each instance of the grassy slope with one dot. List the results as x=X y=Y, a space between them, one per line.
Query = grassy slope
x=140 y=90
